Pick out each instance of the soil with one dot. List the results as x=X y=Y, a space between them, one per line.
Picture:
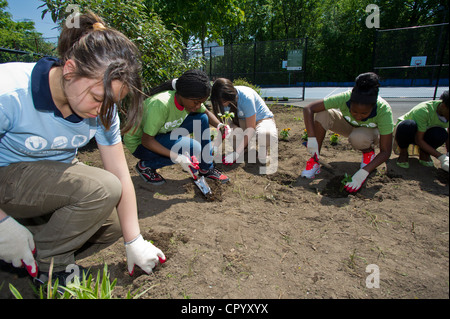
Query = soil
x=283 y=236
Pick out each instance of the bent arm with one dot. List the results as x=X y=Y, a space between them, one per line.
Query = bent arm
x=250 y=124
x=425 y=146
x=384 y=155
x=308 y=116
x=114 y=161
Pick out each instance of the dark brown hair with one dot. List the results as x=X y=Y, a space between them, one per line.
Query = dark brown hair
x=224 y=90
x=103 y=53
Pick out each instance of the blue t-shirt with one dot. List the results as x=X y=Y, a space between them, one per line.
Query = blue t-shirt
x=31 y=126
x=250 y=103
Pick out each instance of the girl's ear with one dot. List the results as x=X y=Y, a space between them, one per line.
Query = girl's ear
x=69 y=69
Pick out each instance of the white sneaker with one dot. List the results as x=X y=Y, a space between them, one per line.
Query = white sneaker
x=312 y=168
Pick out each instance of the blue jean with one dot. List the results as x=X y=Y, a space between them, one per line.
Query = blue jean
x=180 y=142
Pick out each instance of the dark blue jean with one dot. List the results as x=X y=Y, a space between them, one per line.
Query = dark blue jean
x=406 y=133
x=180 y=142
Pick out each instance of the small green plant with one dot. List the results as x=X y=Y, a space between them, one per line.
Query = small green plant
x=226 y=116
x=334 y=139
x=305 y=135
x=285 y=134
x=344 y=181
x=87 y=288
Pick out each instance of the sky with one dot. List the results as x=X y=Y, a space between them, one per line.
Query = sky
x=28 y=9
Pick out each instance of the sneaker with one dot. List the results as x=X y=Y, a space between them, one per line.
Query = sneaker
x=148 y=174
x=367 y=158
x=215 y=174
x=312 y=168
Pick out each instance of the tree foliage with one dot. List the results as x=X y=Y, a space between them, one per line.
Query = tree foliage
x=161 y=49
x=20 y=36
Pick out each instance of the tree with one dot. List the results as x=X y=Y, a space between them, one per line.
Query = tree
x=202 y=20
x=161 y=49
x=20 y=36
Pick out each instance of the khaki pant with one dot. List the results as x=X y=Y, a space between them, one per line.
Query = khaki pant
x=361 y=138
x=63 y=205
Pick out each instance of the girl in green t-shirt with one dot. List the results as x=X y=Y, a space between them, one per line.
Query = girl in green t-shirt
x=173 y=111
x=425 y=125
x=359 y=114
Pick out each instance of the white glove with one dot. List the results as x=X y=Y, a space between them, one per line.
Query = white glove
x=313 y=146
x=227 y=130
x=444 y=162
x=357 y=181
x=187 y=165
x=230 y=158
x=17 y=245
x=144 y=254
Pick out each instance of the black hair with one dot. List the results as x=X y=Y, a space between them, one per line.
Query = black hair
x=193 y=84
x=444 y=98
x=366 y=88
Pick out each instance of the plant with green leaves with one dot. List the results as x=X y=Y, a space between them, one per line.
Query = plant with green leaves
x=285 y=134
x=162 y=50
x=344 y=181
x=86 y=288
x=334 y=139
x=224 y=118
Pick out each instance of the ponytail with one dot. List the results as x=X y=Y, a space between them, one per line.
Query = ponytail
x=104 y=53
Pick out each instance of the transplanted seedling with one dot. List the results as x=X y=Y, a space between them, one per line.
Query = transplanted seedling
x=344 y=181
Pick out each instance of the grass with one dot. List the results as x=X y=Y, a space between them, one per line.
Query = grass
x=87 y=288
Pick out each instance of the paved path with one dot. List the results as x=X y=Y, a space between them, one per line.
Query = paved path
x=400 y=105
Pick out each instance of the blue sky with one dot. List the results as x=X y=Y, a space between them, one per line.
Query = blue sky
x=28 y=9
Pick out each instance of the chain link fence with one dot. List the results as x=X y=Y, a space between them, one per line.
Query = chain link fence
x=413 y=57
x=279 y=63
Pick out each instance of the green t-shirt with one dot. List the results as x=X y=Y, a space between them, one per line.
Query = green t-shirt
x=425 y=115
x=380 y=118
x=160 y=116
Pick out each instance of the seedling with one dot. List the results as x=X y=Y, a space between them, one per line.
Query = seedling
x=305 y=135
x=334 y=139
x=285 y=134
x=226 y=116
x=344 y=181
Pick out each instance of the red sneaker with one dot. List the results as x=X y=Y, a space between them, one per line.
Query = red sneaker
x=312 y=168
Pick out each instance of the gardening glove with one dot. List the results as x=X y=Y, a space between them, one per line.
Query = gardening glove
x=444 y=161
x=17 y=245
x=187 y=165
x=227 y=130
x=357 y=181
x=230 y=158
x=313 y=146
x=142 y=253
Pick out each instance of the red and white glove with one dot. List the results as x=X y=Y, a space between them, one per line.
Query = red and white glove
x=230 y=159
x=313 y=146
x=357 y=181
x=144 y=254
x=444 y=161
x=227 y=130
x=17 y=245
x=188 y=165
